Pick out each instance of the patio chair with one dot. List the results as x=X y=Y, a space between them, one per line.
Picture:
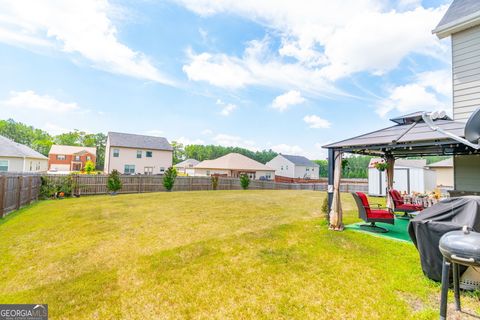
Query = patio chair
x=400 y=205
x=371 y=216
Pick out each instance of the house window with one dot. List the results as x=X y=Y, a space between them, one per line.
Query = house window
x=61 y=157
x=313 y=169
x=116 y=153
x=148 y=170
x=139 y=154
x=89 y=158
x=77 y=158
x=31 y=165
x=162 y=169
x=286 y=167
x=281 y=168
x=129 y=169
x=3 y=165
x=268 y=175
x=148 y=154
x=38 y=166
x=308 y=169
x=208 y=172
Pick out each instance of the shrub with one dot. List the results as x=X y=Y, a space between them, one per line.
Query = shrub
x=51 y=187
x=214 y=182
x=244 y=181
x=325 y=209
x=113 y=182
x=169 y=178
x=89 y=167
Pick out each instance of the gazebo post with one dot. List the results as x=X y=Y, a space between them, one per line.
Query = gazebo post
x=335 y=213
x=331 y=171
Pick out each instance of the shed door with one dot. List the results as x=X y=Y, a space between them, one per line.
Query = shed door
x=401 y=180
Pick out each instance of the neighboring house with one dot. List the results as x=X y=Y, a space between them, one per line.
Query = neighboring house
x=186 y=166
x=409 y=176
x=233 y=165
x=462 y=23
x=444 y=173
x=70 y=158
x=294 y=167
x=137 y=154
x=16 y=157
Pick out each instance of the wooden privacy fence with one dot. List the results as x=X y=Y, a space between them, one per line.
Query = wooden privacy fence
x=96 y=184
x=17 y=191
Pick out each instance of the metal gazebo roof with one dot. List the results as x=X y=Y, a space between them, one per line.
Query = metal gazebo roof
x=411 y=136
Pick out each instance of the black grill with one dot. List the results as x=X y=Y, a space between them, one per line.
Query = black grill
x=457 y=248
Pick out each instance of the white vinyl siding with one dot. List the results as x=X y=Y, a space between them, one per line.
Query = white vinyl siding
x=466 y=72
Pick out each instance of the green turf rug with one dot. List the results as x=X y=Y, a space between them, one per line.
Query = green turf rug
x=397 y=231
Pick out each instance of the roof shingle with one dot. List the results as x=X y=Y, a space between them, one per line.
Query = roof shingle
x=9 y=148
x=128 y=140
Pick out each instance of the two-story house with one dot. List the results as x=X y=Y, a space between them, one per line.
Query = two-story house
x=70 y=158
x=137 y=154
x=294 y=167
x=461 y=23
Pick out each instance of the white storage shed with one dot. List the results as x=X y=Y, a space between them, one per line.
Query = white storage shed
x=410 y=176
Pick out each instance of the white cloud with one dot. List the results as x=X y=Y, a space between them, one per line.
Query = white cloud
x=290 y=98
x=234 y=141
x=227 y=108
x=327 y=40
x=55 y=129
x=187 y=141
x=316 y=122
x=31 y=100
x=256 y=67
x=207 y=132
x=429 y=91
x=288 y=149
x=75 y=27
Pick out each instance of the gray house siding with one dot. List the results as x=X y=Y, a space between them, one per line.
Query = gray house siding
x=466 y=72
x=467 y=173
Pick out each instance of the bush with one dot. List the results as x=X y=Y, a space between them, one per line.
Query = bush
x=214 y=182
x=51 y=187
x=89 y=167
x=324 y=209
x=169 y=178
x=244 y=181
x=113 y=182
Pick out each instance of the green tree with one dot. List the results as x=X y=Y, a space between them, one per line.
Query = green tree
x=169 y=178
x=244 y=181
x=89 y=167
x=209 y=152
x=113 y=182
x=178 y=152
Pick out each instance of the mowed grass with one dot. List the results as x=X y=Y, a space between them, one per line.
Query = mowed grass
x=207 y=255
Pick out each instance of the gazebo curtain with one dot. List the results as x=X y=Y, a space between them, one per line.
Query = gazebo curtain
x=390 y=160
x=336 y=214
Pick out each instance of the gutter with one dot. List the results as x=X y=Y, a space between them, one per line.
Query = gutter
x=457 y=25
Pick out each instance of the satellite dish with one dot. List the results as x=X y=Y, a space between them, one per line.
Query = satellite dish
x=472 y=128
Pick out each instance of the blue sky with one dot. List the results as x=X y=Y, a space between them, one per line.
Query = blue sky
x=286 y=75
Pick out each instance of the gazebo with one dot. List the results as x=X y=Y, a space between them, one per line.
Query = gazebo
x=410 y=136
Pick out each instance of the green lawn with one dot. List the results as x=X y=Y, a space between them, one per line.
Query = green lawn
x=207 y=255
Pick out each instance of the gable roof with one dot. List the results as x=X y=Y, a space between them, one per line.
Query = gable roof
x=447 y=163
x=461 y=15
x=128 y=140
x=233 y=161
x=60 y=149
x=9 y=148
x=186 y=163
x=299 y=160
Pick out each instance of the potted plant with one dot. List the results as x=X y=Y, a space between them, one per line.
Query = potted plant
x=113 y=182
x=380 y=165
x=61 y=195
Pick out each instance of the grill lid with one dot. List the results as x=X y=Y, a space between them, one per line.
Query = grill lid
x=461 y=246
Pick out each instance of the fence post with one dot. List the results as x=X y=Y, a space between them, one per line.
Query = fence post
x=19 y=192
x=3 y=191
x=29 y=200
